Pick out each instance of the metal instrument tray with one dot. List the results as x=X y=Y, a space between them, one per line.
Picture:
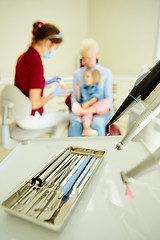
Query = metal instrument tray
x=48 y=197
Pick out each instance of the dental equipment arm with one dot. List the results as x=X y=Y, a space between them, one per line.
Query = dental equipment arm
x=150 y=163
x=151 y=111
x=144 y=85
x=153 y=161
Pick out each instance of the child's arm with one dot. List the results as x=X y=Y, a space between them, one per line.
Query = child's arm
x=89 y=103
x=77 y=89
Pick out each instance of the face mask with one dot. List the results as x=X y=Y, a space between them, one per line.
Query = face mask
x=49 y=55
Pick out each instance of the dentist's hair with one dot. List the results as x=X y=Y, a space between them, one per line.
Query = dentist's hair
x=43 y=31
x=89 y=47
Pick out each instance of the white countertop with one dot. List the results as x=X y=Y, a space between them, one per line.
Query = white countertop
x=103 y=212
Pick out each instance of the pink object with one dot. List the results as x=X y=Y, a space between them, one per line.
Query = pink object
x=87 y=117
x=102 y=106
x=129 y=194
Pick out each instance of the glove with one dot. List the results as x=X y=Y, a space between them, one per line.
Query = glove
x=53 y=80
x=59 y=91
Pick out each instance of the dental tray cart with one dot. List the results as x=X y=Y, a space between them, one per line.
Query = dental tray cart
x=95 y=206
x=48 y=197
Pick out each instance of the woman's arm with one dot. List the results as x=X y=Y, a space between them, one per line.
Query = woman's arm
x=78 y=77
x=36 y=100
x=77 y=89
x=108 y=86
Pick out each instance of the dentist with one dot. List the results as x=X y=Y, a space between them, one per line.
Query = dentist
x=29 y=76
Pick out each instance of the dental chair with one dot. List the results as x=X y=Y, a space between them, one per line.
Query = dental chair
x=14 y=105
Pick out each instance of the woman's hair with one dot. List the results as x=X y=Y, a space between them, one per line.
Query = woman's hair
x=96 y=76
x=89 y=47
x=43 y=31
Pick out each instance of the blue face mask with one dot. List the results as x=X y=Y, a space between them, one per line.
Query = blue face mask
x=49 y=55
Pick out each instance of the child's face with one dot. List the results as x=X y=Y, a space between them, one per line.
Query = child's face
x=88 y=81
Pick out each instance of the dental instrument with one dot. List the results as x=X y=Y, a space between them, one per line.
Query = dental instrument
x=77 y=189
x=144 y=85
x=151 y=111
x=152 y=105
x=34 y=187
x=47 y=193
x=43 y=176
x=64 y=189
x=42 y=203
x=83 y=175
x=150 y=163
x=26 y=203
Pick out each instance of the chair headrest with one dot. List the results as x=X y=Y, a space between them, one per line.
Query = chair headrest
x=21 y=104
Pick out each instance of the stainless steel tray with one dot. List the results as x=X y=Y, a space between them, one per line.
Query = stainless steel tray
x=49 y=196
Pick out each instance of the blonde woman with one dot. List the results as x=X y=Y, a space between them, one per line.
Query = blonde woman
x=100 y=109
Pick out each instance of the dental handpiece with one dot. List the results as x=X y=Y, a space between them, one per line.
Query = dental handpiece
x=143 y=87
x=150 y=163
x=150 y=113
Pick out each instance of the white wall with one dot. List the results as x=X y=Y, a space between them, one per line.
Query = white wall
x=16 y=19
x=157 y=47
x=126 y=31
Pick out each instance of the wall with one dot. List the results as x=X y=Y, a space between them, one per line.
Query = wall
x=126 y=31
x=16 y=19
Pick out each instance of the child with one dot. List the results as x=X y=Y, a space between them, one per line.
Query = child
x=86 y=97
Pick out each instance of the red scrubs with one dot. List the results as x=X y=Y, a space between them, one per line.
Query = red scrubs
x=29 y=74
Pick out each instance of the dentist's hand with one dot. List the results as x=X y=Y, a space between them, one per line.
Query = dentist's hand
x=53 y=80
x=59 y=91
